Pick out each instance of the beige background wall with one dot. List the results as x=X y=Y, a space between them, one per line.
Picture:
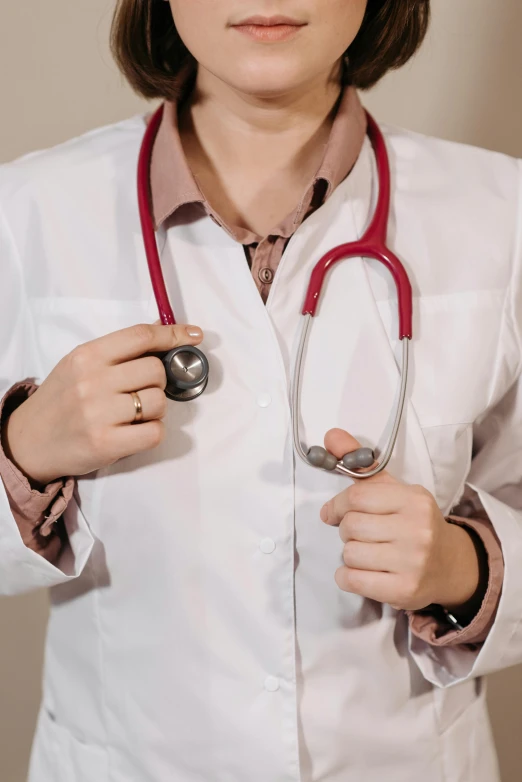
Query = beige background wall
x=57 y=80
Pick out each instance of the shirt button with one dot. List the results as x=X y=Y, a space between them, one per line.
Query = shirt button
x=263 y=400
x=271 y=683
x=265 y=275
x=267 y=545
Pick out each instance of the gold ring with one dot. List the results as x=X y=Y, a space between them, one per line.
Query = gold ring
x=137 y=406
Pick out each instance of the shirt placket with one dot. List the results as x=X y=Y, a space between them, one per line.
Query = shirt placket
x=265 y=261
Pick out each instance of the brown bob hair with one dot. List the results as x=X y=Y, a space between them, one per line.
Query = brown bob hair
x=151 y=55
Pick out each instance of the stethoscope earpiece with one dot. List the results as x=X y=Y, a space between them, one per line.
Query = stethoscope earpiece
x=187 y=372
x=320 y=457
x=361 y=458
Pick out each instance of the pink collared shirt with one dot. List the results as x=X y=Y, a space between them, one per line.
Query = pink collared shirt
x=38 y=510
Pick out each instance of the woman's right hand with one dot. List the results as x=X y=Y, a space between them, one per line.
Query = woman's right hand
x=79 y=419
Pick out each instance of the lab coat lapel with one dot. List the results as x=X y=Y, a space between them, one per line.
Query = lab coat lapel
x=352 y=366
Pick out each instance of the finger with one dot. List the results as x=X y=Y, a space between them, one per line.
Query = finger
x=377 y=498
x=339 y=442
x=135 y=341
x=145 y=372
x=128 y=439
x=383 y=587
x=380 y=557
x=153 y=405
x=121 y=410
x=368 y=527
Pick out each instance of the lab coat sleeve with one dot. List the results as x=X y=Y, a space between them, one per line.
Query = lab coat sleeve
x=494 y=485
x=22 y=569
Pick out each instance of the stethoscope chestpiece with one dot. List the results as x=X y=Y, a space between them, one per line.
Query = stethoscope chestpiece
x=187 y=373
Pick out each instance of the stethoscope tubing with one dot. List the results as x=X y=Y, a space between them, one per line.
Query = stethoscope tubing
x=147 y=226
x=372 y=243
x=176 y=389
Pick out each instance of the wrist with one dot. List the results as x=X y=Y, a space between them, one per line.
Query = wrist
x=467 y=611
x=11 y=434
x=462 y=582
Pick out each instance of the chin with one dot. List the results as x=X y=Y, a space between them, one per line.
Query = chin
x=269 y=78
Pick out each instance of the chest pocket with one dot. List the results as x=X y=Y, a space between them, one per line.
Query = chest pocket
x=450 y=449
x=62 y=323
x=455 y=356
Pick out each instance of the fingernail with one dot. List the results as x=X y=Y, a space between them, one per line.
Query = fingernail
x=324 y=513
x=194 y=331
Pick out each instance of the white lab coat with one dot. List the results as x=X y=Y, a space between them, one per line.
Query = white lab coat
x=178 y=650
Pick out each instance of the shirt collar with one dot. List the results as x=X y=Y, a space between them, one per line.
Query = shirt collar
x=173 y=184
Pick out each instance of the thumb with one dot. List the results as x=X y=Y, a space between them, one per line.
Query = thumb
x=339 y=442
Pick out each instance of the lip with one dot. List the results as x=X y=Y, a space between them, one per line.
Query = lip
x=270 y=21
x=269 y=28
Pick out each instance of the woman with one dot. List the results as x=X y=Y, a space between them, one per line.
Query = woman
x=220 y=609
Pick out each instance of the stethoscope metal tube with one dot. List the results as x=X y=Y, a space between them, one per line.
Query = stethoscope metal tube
x=187 y=368
x=317 y=455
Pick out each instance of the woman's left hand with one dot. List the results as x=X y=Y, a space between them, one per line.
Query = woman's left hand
x=398 y=547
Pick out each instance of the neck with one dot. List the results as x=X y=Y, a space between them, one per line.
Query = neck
x=238 y=128
x=238 y=145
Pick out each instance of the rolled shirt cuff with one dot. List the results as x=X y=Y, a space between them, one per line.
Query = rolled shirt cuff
x=36 y=510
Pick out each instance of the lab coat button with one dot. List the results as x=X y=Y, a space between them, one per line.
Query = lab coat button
x=271 y=683
x=263 y=400
x=267 y=545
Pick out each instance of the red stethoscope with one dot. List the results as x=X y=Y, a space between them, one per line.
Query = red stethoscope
x=187 y=367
